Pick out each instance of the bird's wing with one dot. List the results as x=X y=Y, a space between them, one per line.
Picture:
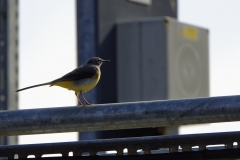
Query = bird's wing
x=82 y=72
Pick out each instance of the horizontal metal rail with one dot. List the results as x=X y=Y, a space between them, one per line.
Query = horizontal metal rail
x=120 y=116
x=149 y=145
x=229 y=154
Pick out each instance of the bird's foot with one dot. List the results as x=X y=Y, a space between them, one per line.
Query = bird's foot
x=87 y=104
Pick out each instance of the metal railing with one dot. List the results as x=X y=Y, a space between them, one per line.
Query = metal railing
x=120 y=116
x=135 y=146
x=124 y=116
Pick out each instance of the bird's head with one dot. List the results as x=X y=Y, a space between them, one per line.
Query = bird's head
x=97 y=61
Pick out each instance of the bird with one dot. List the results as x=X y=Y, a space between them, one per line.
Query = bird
x=81 y=79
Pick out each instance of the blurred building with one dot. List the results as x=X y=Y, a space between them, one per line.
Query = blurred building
x=8 y=59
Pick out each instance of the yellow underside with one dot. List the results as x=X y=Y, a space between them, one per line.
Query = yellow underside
x=64 y=84
x=81 y=86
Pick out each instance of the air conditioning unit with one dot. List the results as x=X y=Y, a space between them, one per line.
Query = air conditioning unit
x=161 y=58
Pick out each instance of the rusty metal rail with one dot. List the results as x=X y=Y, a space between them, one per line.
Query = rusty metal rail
x=149 y=145
x=120 y=116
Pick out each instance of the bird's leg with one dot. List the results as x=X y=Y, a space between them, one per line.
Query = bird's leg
x=84 y=99
x=79 y=101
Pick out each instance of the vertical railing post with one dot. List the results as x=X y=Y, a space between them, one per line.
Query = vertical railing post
x=87 y=43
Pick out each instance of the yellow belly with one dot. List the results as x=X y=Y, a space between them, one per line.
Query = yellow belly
x=83 y=85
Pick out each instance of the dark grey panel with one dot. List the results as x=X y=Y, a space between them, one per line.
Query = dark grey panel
x=128 y=62
x=153 y=60
x=109 y=12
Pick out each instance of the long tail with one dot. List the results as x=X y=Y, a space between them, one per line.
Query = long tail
x=38 y=85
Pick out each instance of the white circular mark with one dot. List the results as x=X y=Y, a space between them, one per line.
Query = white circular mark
x=188 y=70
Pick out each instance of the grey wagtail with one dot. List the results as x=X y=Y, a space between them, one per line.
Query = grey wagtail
x=81 y=79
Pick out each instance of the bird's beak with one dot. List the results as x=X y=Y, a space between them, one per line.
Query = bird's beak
x=105 y=60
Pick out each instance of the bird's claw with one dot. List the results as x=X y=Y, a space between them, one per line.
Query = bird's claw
x=87 y=104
